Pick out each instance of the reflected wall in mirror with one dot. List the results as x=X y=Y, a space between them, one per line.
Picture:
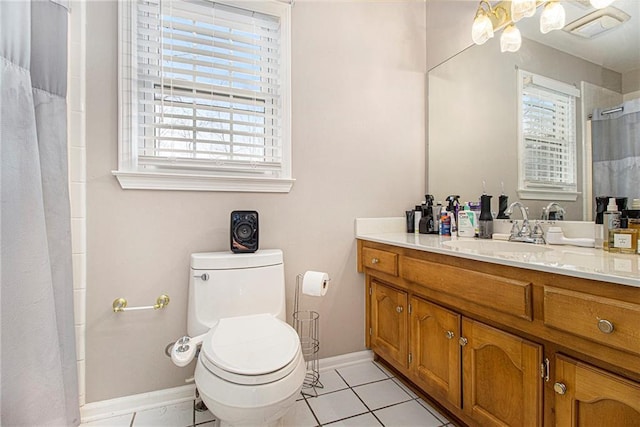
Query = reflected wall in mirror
x=473 y=117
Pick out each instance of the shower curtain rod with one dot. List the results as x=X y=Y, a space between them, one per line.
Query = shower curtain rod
x=613 y=110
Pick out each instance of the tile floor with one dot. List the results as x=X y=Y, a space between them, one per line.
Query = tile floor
x=364 y=394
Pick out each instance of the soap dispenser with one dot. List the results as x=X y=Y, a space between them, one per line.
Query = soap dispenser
x=486 y=219
x=426 y=222
x=453 y=208
x=611 y=220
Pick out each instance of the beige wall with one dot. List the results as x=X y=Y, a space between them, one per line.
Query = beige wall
x=358 y=151
x=631 y=84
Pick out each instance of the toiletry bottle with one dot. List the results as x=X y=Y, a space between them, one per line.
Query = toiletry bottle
x=453 y=207
x=503 y=204
x=475 y=208
x=623 y=239
x=417 y=216
x=426 y=222
x=486 y=219
x=437 y=213
x=445 y=224
x=410 y=221
x=610 y=220
x=466 y=222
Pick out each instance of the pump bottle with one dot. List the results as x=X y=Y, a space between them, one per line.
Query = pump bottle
x=611 y=220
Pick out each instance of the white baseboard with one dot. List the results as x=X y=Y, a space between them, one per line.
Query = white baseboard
x=343 y=360
x=139 y=402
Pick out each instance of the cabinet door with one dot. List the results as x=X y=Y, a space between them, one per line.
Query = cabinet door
x=389 y=323
x=502 y=385
x=435 y=350
x=590 y=397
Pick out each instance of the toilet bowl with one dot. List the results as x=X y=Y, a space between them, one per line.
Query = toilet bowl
x=250 y=370
x=250 y=367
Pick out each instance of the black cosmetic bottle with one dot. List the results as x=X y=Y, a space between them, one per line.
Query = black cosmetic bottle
x=485 y=221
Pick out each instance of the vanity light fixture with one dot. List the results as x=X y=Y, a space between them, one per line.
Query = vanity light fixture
x=552 y=17
x=503 y=16
x=600 y=4
x=510 y=40
x=522 y=8
x=488 y=19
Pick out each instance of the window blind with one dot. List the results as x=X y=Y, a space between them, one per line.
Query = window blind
x=548 y=135
x=208 y=87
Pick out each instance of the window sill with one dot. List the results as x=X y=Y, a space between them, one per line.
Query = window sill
x=530 y=194
x=134 y=180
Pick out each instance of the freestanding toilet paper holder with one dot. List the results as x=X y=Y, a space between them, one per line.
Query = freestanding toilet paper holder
x=305 y=322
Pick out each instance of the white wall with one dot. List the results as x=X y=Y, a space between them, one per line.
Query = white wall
x=358 y=151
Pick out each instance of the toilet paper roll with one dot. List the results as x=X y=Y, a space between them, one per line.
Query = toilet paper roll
x=315 y=283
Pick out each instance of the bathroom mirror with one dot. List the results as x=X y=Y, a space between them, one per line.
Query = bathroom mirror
x=472 y=105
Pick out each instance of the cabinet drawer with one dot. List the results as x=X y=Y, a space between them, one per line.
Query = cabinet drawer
x=506 y=295
x=607 y=321
x=384 y=261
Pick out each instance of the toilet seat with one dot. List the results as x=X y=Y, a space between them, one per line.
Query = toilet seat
x=250 y=350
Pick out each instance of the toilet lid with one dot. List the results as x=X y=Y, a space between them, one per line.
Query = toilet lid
x=251 y=345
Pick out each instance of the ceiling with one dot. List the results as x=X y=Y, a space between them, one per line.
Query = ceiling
x=618 y=49
x=449 y=23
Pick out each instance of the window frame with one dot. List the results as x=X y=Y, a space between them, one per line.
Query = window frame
x=132 y=175
x=567 y=192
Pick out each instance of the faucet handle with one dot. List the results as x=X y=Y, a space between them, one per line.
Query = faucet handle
x=538 y=234
x=515 y=229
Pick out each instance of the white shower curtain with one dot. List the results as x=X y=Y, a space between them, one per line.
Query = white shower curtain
x=38 y=367
x=616 y=150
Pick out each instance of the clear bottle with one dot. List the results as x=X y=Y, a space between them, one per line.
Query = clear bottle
x=623 y=239
x=610 y=220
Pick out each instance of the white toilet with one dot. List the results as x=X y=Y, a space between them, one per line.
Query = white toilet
x=250 y=369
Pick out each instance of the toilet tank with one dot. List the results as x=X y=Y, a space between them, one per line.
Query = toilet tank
x=224 y=284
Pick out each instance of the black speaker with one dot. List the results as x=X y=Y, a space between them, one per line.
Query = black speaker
x=244 y=231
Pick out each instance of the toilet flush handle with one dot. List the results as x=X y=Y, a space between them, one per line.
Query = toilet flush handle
x=204 y=276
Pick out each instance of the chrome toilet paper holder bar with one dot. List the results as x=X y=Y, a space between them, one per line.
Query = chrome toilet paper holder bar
x=120 y=304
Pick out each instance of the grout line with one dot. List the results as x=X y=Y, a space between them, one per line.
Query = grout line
x=311 y=409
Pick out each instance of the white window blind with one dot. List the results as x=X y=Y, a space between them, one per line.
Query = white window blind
x=548 y=135
x=208 y=90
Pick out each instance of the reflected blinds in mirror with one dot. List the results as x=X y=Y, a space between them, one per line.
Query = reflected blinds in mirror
x=548 y=133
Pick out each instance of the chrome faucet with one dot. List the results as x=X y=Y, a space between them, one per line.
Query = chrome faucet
x=559 y=212
x=524 y=233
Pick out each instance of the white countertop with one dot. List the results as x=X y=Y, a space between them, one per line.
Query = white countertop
x=586 y=263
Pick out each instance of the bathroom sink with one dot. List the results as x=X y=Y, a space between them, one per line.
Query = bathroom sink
x=495 y=246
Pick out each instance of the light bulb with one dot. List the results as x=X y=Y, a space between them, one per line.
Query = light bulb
x=482 y=29
x=600 y=4
x=510 y=40
x=523 y=8
x=552 y=17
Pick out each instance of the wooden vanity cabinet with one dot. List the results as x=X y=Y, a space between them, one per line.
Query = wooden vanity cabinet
x=586 y=396
x=389 y=324
x=502 y=384
x=435 y=350
x=495 y=345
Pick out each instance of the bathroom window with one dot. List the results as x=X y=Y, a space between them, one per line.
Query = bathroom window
x=547 y=138
x=204 y=95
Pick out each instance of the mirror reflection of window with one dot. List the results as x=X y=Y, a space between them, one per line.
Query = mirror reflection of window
x=546 y=138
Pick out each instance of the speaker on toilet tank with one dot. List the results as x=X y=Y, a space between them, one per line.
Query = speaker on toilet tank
x=244 y=231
